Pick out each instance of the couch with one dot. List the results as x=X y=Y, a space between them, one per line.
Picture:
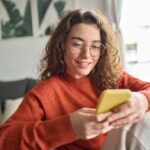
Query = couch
x=11 y=95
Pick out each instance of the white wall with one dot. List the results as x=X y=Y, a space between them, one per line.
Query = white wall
x=88 y=4
x=19 y=57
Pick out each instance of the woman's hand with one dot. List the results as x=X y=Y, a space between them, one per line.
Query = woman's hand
x=130 y=112
x=87 y=124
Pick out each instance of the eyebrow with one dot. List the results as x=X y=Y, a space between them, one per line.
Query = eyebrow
x=80 y=39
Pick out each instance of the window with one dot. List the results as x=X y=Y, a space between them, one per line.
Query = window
x=135 y=25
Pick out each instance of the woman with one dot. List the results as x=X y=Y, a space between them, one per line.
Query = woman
x=80 y=61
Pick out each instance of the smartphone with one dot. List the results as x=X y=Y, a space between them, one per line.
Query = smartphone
x=111 y=98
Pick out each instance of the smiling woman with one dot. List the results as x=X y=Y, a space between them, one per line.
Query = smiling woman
x=60 y=111
x=98 y=30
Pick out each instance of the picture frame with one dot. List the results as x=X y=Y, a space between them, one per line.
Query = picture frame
x=23 y=18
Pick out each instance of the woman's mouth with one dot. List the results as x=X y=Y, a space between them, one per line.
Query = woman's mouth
x=83 y=64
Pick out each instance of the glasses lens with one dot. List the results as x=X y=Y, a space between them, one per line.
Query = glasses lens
x=95 y=50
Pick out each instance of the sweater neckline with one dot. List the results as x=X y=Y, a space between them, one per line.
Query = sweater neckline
x=74 y=81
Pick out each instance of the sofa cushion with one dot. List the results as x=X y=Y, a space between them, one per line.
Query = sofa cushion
x=11 y=106
x=15 y=89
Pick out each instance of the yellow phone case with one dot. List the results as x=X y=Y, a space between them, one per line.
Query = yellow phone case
x=110 y=98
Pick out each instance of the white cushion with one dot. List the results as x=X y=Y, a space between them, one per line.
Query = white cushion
x=10 y=107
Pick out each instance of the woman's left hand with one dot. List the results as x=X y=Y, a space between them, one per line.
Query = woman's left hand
x=129 y=112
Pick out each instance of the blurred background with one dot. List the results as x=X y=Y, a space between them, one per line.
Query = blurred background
x=26 y=25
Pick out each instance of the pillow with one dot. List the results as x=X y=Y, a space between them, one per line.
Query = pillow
x=11 y=106
x=15 y=89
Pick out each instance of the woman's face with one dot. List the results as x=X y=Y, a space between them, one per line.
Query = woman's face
x=82 y=49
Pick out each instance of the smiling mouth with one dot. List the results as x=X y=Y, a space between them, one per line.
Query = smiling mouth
x=83 y=64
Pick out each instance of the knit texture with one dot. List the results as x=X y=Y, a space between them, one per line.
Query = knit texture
x=42 y=120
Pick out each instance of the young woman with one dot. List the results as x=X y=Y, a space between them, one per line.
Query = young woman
x=80 y=61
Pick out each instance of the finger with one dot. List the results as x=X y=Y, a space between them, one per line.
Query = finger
x=117 y=126
x=103 y=116
x=103 y=131
x=124 y=106
x=94 y=129
x=120 y=126
x=131 y=112
x=126 y=120
x=107 y=129
x=121 y=114
x=88 y=110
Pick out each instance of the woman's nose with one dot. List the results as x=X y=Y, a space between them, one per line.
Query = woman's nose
x=86 y=51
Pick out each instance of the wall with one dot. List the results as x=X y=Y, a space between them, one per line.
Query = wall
x=19 y=57
x=88 y=4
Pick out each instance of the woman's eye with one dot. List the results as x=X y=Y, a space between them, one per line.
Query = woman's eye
x=77 y=44
x=95 y=47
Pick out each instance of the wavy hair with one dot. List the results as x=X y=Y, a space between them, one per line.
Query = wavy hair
x=106 y=72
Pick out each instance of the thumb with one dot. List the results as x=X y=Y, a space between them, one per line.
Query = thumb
x=88 y=113
x=88 y=110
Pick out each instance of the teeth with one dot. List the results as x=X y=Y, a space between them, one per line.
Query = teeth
x=80 y=62
x=83 y=63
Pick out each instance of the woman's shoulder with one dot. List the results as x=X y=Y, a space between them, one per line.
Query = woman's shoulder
x=48 y=84
x=122 y=78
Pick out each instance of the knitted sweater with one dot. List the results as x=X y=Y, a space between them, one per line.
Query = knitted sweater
x=42 y=120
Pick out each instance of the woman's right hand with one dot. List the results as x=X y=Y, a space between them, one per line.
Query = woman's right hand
x=87 y=124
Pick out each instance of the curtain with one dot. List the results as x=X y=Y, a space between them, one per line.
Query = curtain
x=113 y=9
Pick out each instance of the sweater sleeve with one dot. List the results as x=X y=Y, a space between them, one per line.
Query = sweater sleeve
x=136 y=85
x=28 y=128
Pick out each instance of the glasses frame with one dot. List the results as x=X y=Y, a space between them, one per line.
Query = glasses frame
x=79 y=48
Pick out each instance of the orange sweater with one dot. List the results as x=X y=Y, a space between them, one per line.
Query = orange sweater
x=42 y=120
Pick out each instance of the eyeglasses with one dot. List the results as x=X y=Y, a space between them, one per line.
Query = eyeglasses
x=95 y=48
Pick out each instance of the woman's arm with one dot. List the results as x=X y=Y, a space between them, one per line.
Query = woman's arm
x=28 y=128
x=136 y=85
x=139 y=103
